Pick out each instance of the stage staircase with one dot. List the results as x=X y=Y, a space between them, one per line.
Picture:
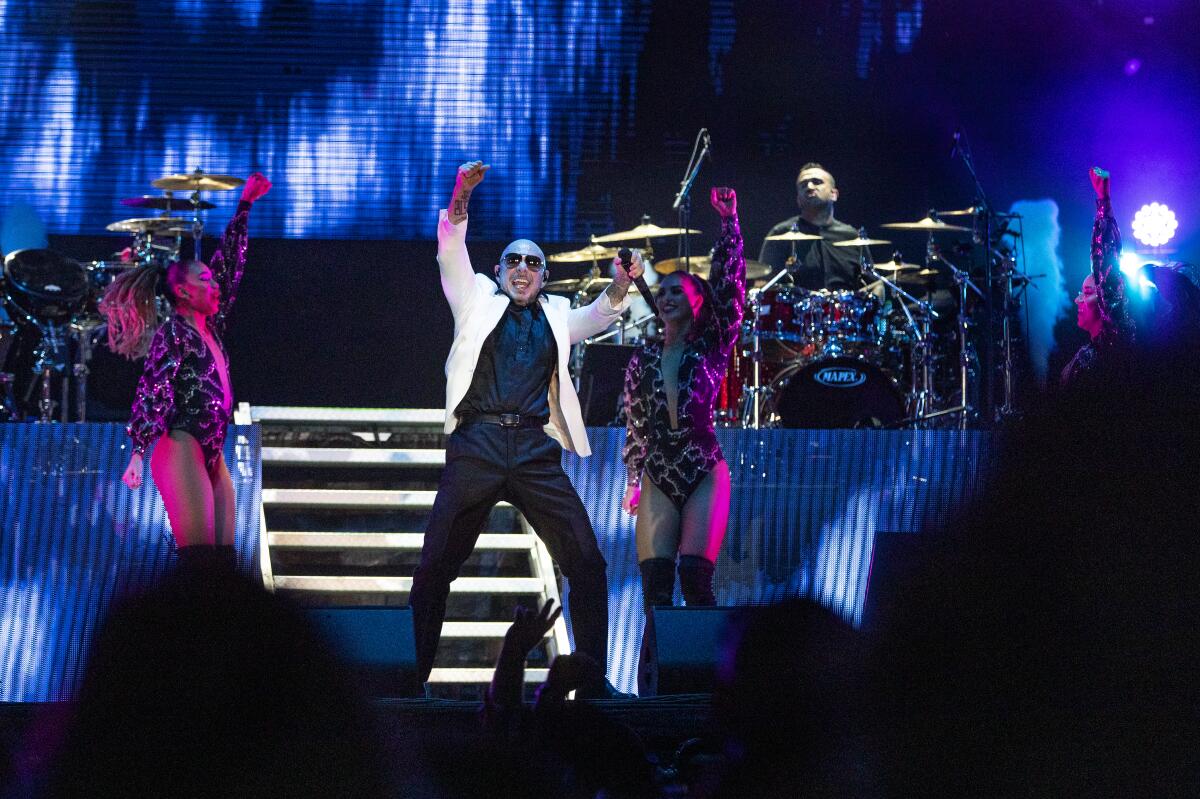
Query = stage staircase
x=346 y=495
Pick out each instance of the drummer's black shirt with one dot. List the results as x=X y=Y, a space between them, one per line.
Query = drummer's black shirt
x=819 y=265
x=515 y=366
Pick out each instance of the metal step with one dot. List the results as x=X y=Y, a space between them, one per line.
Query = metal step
x=351 y=456
x=477 y=629
x=420 y=417
x=402 y=585
x=452 y=675
x=404 y=541
x=351 y=498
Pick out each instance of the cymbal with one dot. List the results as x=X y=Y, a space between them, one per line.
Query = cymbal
x=896 y=266
x=928 y=225
x=165 y=203
x=859 y=242
x=592 y=252
x=197 y=181
x=591 y=285
x=158 y=225
x=974 y=209
x=793 y=235
x=702 y=265
x=646 y=230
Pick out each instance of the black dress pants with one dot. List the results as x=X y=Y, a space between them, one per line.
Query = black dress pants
x=486 y=464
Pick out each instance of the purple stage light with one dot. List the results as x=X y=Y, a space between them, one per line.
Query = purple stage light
x=1154 y=224
x=1133 y=66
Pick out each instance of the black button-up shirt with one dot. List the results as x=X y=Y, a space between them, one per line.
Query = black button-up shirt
x=515 y=366
x=819 y=265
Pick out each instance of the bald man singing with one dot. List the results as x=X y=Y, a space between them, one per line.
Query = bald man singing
x=511 y=410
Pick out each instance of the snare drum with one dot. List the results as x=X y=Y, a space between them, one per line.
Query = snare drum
x=834 y=393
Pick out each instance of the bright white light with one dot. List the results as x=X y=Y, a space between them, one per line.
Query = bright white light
x=1154 y=224
x=1131 y=263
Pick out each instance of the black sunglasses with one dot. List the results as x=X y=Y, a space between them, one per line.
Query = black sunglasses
x=534 y=262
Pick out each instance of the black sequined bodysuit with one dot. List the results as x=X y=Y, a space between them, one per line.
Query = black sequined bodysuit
x=678 y=459
x=181 y=387
x=1116 y=331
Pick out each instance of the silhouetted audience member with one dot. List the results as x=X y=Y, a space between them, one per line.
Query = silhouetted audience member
x=209 y=686
x=787 y=706
x=570 y=748
x=1047 y=647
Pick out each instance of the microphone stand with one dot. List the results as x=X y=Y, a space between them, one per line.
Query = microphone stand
x=963 y=281
x=683 y=202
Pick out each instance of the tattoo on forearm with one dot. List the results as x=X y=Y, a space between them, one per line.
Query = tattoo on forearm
x=458 y=208
x=616 y=292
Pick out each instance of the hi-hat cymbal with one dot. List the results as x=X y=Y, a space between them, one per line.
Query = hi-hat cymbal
x=928 y=225
x=592 y=252
x=646 y=230
x=197 y=181
x=793 y=235
x=588 y=284
x=860 y=242
x=165 y=203
x=701 y=265
x=158 y=225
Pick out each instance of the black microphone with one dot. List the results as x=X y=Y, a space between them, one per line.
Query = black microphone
x=626 y=256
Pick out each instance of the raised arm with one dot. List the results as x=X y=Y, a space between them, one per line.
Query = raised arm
x=229 y=261
x=458 y=277
x=637 y=423
x=728 y=274
x=1106 y=264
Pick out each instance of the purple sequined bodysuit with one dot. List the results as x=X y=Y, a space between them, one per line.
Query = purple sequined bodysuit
x=181 y=388
x=677 y=460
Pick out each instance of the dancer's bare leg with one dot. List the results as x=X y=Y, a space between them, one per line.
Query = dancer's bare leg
x=706 y=515
x=657 y=526
x=223 y=503
x=177 y=466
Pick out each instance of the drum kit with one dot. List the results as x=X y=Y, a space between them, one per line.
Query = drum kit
x=49 y=315
x=897 y=352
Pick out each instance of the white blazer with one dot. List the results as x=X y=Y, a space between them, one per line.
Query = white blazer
x=477 y=307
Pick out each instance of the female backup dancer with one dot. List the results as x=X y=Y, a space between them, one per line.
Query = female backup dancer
x=184 y=400
x=678 y=481
x=1101 y=303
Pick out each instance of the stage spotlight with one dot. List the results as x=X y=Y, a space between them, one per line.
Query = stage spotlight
x=1131 y=264
x=1154 y=224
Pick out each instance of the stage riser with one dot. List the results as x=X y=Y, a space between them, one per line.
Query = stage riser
x=75 y=537
x=805 y=510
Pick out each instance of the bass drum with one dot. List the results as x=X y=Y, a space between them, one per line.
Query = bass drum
x=835 y=393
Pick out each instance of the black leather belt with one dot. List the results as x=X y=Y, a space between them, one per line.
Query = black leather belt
x=505 y=419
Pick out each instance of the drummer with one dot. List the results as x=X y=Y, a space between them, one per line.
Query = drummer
x=817 y=264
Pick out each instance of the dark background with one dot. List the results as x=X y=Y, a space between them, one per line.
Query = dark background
x=1043 y=90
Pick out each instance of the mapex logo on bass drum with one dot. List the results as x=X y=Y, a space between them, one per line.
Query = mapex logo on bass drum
x=840 y=377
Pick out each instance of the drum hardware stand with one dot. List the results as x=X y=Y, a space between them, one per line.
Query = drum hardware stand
x=921 y=394
x=963 y=281
x=48 y=351
x=8 y=402
x=755 y=395
x=85 y=338
x=683 y=202
x=619 y=332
